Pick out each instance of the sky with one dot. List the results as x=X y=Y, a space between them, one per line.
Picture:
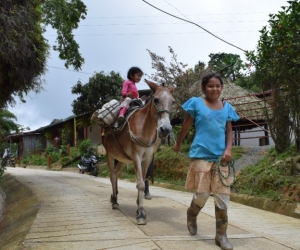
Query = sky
x=116 y=35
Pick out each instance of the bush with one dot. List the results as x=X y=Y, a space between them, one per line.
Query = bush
x=51 y=149
x=74 y=152
x=63 y=150
x=86 y=149
x=37 y=160
x=66 y=160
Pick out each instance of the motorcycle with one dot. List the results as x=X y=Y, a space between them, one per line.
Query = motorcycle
x=88 y=165
x=8 y=158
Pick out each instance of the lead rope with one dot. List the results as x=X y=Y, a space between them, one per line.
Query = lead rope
x=231 y=170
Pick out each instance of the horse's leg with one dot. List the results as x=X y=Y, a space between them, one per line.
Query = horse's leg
x=118 y=167
x=114 y=182
x=141 y=214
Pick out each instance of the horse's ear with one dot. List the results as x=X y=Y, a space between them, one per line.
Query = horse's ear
x=171 y=89
x=153 y=86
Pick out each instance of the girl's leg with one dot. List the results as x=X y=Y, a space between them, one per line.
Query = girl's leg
x=221 y=206
x=198 y=202
x=122 y=114
x=124 y=107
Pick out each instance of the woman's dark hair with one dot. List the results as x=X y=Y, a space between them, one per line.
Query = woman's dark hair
x=132 y=71
x=208 y=76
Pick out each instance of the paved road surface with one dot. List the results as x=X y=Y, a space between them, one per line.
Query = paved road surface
x=75 y=213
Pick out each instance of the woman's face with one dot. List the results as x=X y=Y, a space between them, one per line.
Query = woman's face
x=137 y=77
x=213 y=88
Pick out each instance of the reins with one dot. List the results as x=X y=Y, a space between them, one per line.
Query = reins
x=231 y=169
x=138 y=140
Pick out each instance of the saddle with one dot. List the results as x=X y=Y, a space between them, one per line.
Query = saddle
x=116 y=128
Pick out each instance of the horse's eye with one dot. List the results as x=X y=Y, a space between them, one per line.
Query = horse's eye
x=173 y=102
x=156 y=100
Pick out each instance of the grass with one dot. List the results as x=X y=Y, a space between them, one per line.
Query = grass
x=272 y=177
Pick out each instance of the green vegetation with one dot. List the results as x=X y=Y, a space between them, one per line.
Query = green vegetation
x=273 y=177
x=23 y=48
x=60 y=155
x=100 y=89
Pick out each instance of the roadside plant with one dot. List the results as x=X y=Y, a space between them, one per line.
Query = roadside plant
x=86 y=149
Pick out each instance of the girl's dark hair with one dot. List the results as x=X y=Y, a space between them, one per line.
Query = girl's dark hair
x=210 y=75
x=132 y=71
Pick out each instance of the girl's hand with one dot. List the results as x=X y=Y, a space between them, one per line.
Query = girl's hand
x=176 y=148
x=226 y=155
x=129 y=94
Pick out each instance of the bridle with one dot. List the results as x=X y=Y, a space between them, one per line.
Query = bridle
x=162 y=110
x=141 y=142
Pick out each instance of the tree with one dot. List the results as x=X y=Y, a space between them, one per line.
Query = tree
x=232 y=67
x=229 y=65
x=100 y=89
x=7 y=124
x=64 y=16
x=277 y=68
x=24 y=50
x=178 y=75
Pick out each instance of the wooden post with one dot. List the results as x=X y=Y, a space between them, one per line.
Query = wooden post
x=19 y=160
x=68 y=149
x=75 y=131
x=49 y=161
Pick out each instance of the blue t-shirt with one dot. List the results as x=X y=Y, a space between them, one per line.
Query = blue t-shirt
x=209 y=142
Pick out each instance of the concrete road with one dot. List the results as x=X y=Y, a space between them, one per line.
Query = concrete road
x=75 y=213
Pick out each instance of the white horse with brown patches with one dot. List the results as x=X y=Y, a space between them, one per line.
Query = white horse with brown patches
x=137 y=142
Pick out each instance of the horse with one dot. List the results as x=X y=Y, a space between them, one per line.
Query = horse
x=137 y=142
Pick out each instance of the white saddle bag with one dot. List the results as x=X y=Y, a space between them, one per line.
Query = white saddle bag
x=108 y=113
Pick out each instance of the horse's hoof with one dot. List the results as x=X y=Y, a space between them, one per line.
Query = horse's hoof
x=115 y=206
x=147 y=197
x=141 y=216
x=141 y=221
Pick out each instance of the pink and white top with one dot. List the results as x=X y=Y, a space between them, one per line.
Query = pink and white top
x=129 y=86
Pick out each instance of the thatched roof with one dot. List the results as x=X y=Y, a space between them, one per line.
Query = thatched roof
x=244 y=102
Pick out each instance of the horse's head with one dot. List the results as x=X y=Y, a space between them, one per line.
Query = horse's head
x=162 y=99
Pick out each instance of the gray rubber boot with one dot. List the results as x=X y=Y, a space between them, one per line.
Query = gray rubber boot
x=197 y=204
x=146 y=192
x=192 y=214
x=221 y=239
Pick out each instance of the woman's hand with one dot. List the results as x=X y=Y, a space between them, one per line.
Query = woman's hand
x=176 y=148
x=226 y=155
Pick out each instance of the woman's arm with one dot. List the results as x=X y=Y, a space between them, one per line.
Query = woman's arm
x=188 y=122
x=227 y=152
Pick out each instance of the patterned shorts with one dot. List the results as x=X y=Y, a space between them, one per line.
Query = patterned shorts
x=201 y=178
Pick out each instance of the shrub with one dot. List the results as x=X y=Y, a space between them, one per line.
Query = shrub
x=86 y=149
x=51 y=149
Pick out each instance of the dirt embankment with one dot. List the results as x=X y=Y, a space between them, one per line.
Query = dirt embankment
x=19 y=209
